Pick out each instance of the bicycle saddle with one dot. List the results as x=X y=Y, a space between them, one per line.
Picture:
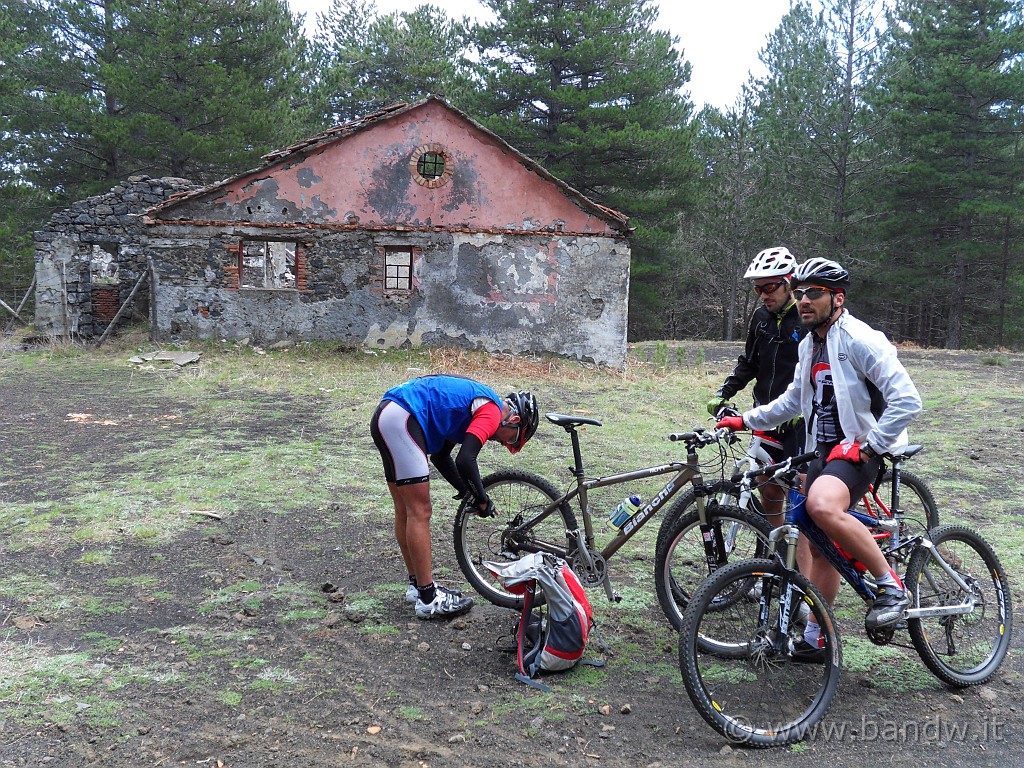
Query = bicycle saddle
x=570 y=421
x=910 y=450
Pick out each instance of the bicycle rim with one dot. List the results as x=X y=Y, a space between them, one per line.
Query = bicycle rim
x=739 y=670
x=968 y=648
x=517 y=496
x=683 y=561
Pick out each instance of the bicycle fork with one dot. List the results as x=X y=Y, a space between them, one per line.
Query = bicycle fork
x=789 y=601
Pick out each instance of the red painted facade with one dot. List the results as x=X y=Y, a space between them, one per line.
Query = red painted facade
x=365 y=176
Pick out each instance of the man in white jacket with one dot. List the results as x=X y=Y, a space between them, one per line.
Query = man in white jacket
x=857 y=400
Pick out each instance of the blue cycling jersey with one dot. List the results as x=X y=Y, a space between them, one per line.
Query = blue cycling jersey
x=441 y=404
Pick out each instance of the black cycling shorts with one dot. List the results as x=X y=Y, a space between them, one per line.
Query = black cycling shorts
x=855 y=476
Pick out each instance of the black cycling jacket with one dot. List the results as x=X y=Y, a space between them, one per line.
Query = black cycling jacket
x=769 y=358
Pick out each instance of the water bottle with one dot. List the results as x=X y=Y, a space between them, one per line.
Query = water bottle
x=626 y=509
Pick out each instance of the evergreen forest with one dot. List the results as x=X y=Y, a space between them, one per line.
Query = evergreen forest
x=886 y=134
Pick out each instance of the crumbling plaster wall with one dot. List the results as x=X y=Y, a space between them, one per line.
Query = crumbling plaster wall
x=530 y=292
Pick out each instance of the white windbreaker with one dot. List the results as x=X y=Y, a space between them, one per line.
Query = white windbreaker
x=857 y=354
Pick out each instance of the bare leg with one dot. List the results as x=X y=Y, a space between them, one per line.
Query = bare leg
x=412 y=528
x=773 y=501
x=827 y=503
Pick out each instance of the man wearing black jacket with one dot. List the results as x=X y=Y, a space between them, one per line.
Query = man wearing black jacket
x=769 y=360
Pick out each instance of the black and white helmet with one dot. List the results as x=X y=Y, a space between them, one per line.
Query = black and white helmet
x=524 y=404
x=823 y=272
x=771 y=262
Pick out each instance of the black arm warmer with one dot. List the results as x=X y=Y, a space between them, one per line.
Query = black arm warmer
x=446 y=466
x=465 y=462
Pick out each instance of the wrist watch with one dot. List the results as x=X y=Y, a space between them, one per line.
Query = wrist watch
x=867 y=451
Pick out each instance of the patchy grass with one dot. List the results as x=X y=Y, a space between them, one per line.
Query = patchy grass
x=139 y=606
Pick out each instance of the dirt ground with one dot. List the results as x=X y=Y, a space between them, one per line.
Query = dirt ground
x=332 y=686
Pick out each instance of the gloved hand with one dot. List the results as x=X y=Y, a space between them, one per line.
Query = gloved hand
x=735 y=423
x=714 y=404
x=847 y=451
x=488 y=511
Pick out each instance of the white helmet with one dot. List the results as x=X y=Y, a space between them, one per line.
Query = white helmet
x=771 y=262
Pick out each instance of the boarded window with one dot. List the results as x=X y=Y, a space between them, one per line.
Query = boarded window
x=397 y=268
x=267 y=264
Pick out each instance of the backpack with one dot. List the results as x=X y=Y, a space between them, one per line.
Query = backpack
x=552 y=631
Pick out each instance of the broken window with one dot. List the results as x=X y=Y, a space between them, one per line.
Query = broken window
x=397 y=268
x=103 y=263
x=267 y=264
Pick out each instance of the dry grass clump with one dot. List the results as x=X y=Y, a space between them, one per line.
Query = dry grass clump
x=473 y=363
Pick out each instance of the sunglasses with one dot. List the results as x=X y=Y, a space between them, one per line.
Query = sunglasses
x=810 y=293
x=772 y=287
x=519 y=432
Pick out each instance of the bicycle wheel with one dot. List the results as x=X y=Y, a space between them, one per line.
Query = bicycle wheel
x=724 y=492
x=518 y=497
x=967 y=648
x=920 y=512
x=740 y=670
x=688 y=553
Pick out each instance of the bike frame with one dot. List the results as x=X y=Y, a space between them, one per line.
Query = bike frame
x=687 y=472
x=850 y=569
x=756 y=457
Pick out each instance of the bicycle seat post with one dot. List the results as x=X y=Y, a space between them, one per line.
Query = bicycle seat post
x=577 y=455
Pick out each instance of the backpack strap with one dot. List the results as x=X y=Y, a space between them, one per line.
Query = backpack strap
x=532 y=683
x=526 y=662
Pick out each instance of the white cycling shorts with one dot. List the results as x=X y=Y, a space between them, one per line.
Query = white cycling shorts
x=401 y=443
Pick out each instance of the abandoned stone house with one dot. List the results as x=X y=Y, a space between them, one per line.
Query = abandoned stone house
x=412 y=226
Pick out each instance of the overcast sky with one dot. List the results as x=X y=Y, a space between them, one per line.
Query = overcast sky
x=720 y=38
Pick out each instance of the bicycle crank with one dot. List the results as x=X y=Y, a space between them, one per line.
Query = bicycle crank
x=590 y=567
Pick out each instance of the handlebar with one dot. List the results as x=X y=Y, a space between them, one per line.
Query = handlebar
x=776 y=470
x=700 y=437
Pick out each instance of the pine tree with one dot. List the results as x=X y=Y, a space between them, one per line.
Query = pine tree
x=956 y=92
x=107 y=88
x=594 y=94
x=369 y=61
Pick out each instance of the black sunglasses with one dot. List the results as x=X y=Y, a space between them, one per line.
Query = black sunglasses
x=810 y=293
x=772 y=287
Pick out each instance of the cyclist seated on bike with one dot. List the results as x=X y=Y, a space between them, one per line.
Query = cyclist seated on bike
x=428 y=416
x=768 y=359
x=858 y=400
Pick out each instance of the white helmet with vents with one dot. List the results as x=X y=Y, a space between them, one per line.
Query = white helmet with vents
x=771 y=262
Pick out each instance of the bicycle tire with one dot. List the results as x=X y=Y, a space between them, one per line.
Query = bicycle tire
x=967 y=649
x=746 y=684
x=725 y=492
x=681 y=563
x=478 y=539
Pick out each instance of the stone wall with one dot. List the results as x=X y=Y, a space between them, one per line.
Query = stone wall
x=541 y=291
x=511 y=292
x=96 y=242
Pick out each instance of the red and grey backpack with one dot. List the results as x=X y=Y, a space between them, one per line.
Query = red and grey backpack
x=552 y=632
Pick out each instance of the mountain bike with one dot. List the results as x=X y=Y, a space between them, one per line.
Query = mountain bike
x=895 y=494
x=532 y=515
x=737 y=649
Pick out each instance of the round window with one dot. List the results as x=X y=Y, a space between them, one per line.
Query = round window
x=431 y=165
